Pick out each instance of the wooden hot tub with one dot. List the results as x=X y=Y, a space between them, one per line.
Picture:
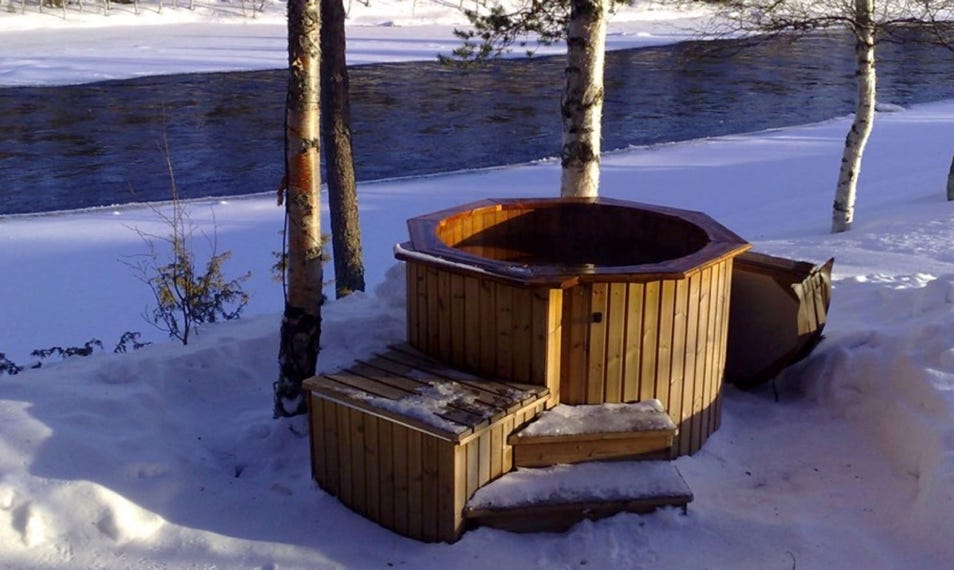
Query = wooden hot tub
x=599 y=300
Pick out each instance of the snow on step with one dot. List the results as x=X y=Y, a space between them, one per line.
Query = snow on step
x=573 y=434
x=555 y=498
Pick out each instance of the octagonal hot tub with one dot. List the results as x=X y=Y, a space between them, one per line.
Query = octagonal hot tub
x=600 y=300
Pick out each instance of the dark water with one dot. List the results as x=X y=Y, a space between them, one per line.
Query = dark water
x=70 y=147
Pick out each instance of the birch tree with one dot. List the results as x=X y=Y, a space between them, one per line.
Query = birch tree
x=582 y=23
x=869 y=22
x=301 y=321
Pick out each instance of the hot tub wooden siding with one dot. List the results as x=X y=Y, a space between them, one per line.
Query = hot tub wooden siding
x=592 y=343
x=486 y=326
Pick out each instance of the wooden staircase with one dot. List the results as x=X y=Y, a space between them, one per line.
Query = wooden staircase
x=584 y=462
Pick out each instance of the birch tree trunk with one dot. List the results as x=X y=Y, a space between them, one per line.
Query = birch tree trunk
x=844 y=207
x=582 y=103
x=336 y=137
x=301 y=322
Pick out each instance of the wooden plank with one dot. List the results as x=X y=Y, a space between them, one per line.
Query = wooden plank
x=496 y=450
x=332 y=457
x=632 y=366
x=386 y=473
x=703 y=353
x=400 y=436
x=359 y=491
x=415 y=489
x=576 y=319
x=488 y=327
x=522 y=344
x=345 y=460
x=667 y=312
x=726 y=300
x=432 y=343
x=506 y=450
x=677 y=375
x=554 y=345
x=430 y=490
x=473 y=467
x=689 y=383
x=647 y=376
x=458 y=322
x=372 y=467
x=484 y=450
x=504 y=332
x=445 y=325
x=379 y=370
x=422 y=294
x=717 y=364
x=539 y=335
x=616 y=318
x=513 y=391
x=646 y=445
x=410 y=273
x=472 y=326
x=367 y=385
x=596 y=353
x=450 y=492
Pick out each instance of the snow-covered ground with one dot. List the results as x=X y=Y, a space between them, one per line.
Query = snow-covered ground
x=168 y=457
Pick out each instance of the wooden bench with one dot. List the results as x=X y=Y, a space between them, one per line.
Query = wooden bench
x=405 y=441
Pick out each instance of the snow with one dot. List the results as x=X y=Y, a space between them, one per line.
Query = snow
x=168 y=457
x=648 y=415
x=581 y=483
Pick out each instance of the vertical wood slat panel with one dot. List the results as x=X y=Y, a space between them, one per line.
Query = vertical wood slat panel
x=423 y=334
x=539 y=336
x=484 y=458
x=473 y=467
x=504 y=332
x=554 y=345
x=596 y=344
x=496 y=451
x=633 y=342
x=573 y=374
x=616 y=319
x=488 y=327
x=372 y=465
x=386 y=473
x=703 y=354
x=689 y=370
x=667 y=314
x=399 y=436
x=449 y=497
x=712 y=355
x=345 y=461
x=444 y=318
x=506 y=450
x=522 y=335
x=433 y=312
x=727 y=295
x=415 y=478
x=458 y=322
x=430 y=490
x=359 y=490
x=721 y=331
x=410 y=276
x=332 y=467
x=675 y=402
x=650 y=328
x=472 y=323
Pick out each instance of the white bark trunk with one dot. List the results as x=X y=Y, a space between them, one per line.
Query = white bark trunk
x=844 y=207
x=582 y=105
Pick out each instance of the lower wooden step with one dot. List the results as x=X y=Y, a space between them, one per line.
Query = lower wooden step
x=553 y=499
x=573 y=434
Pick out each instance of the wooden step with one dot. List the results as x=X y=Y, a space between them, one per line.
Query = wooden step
x=553 y=499
x=574 y=434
